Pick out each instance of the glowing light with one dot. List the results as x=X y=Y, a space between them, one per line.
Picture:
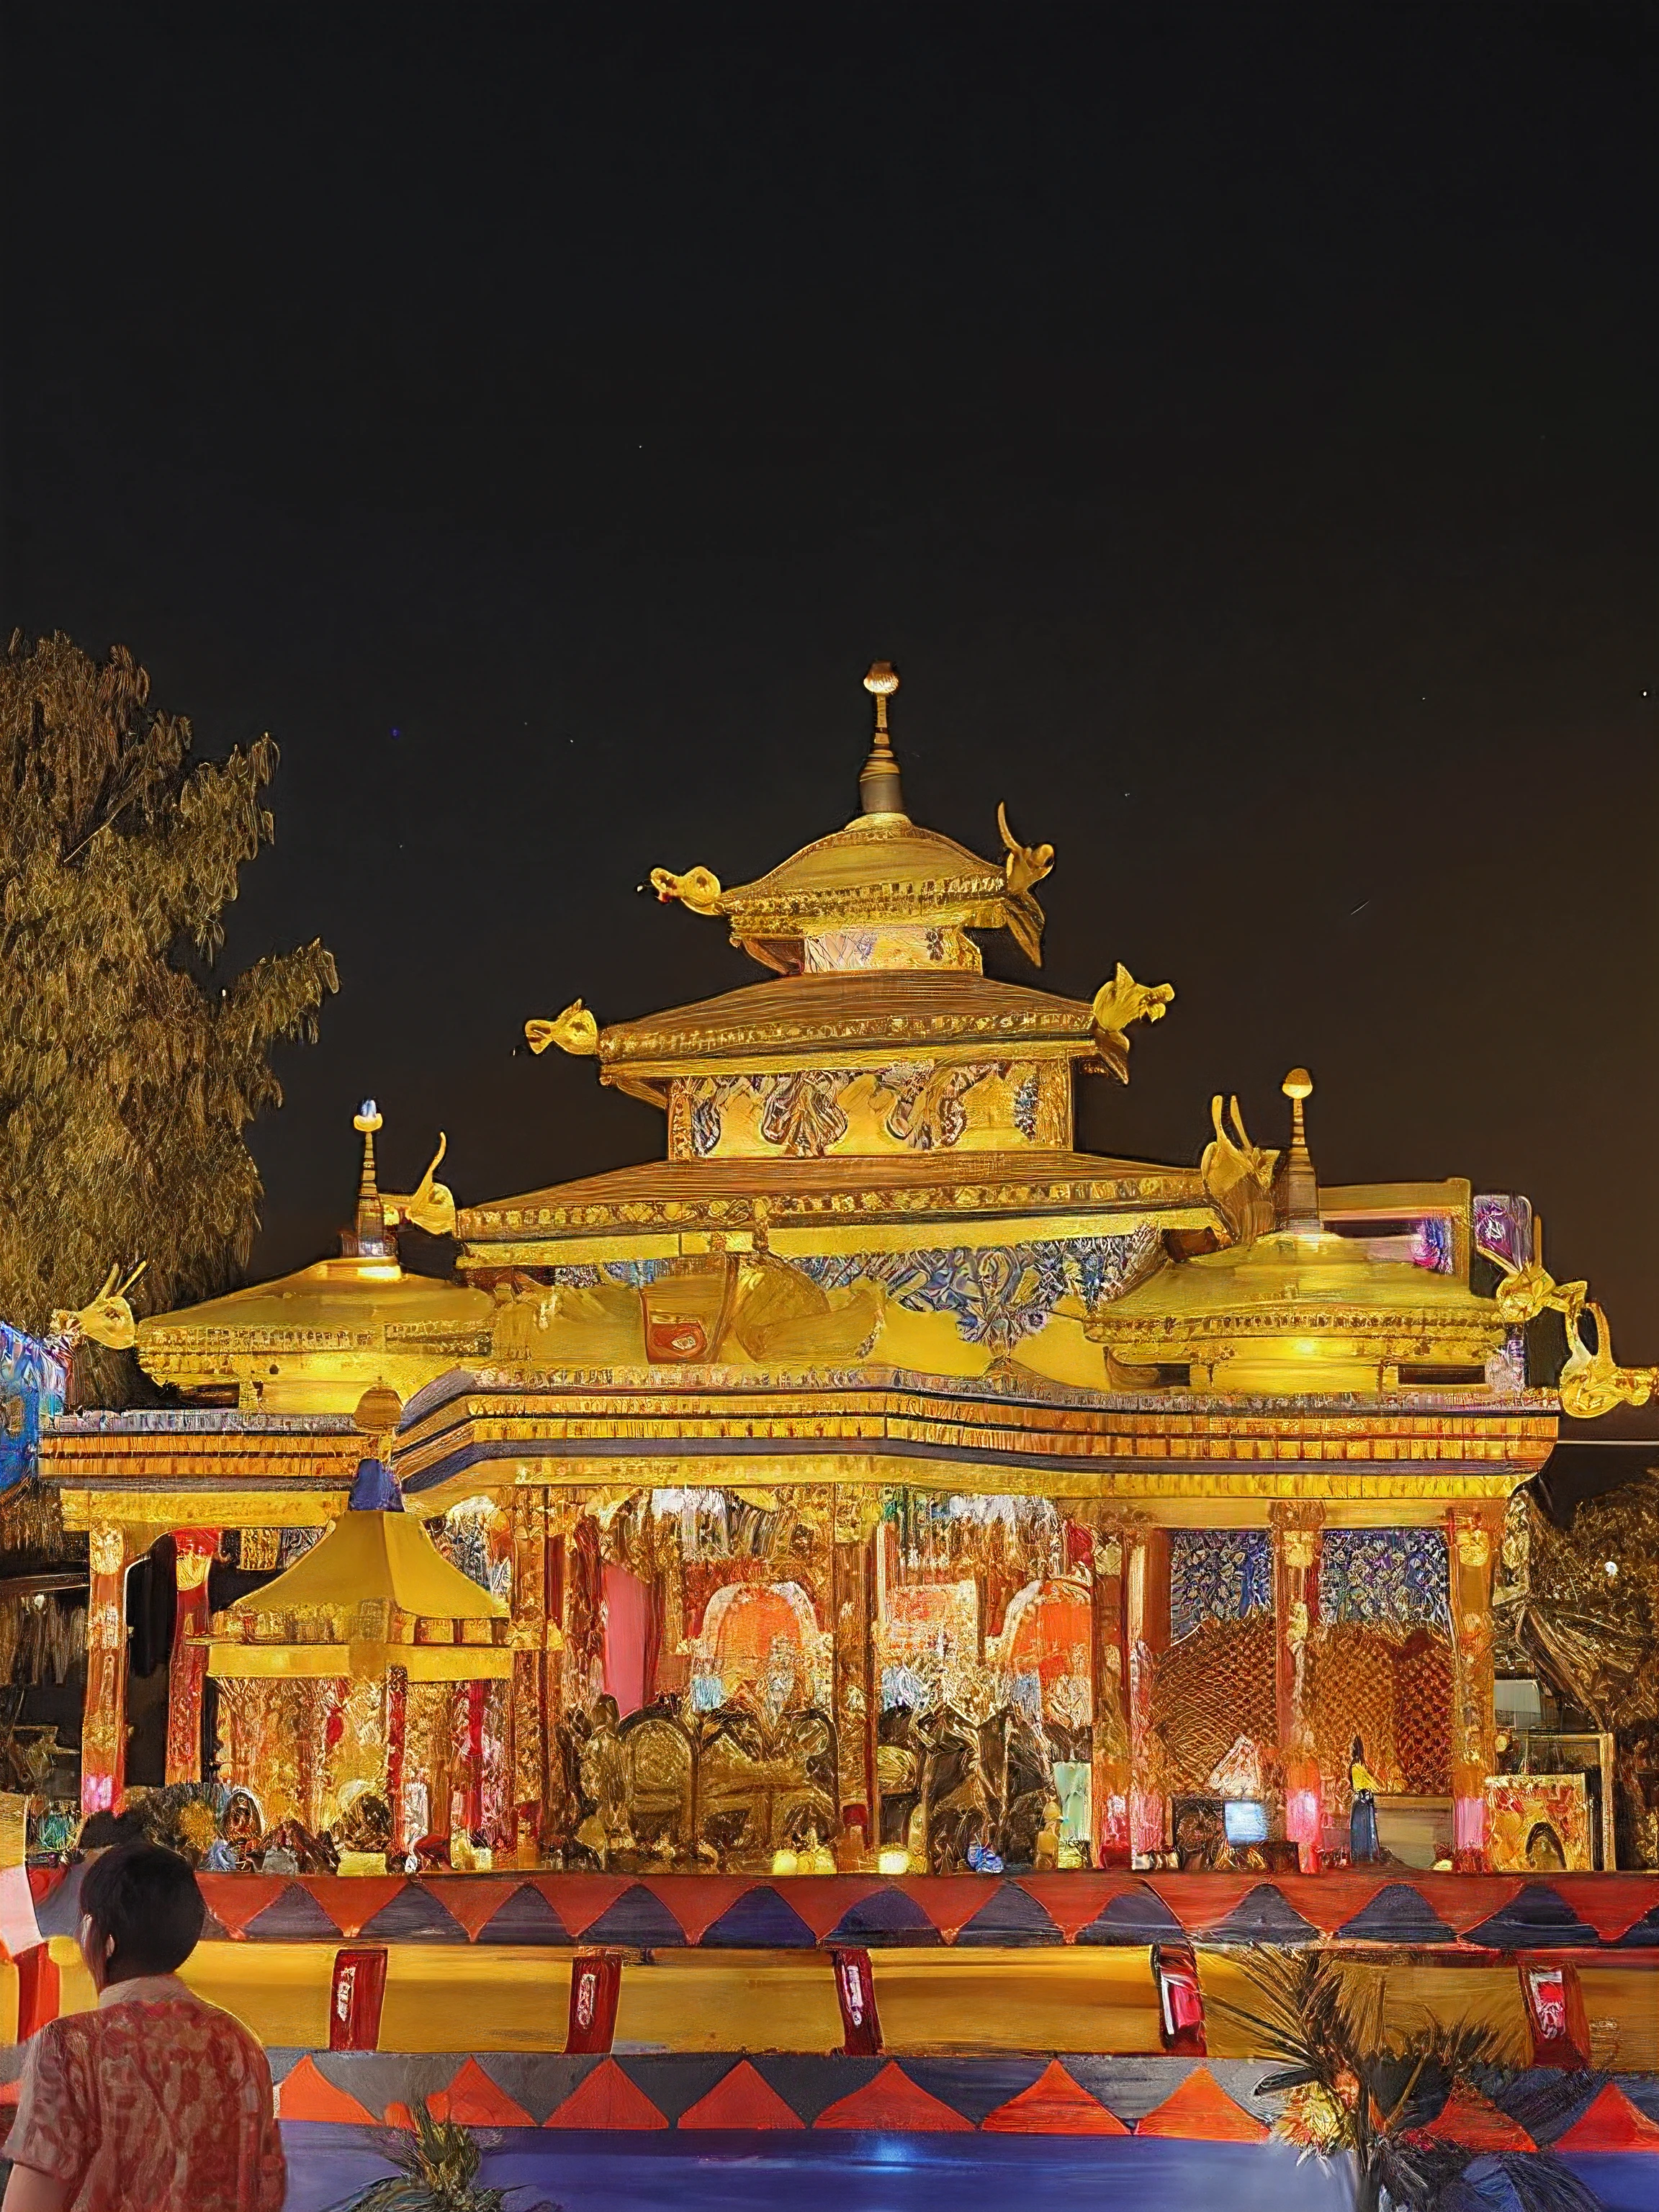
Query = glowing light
x=786 y=1862
x=894 y=1860
x=1611 y=1570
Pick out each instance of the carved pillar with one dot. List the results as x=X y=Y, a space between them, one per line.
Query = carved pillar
x=856 y=1531
x=1146 y=1581
x=1112 y=1775
x=526 y=1711
x=1296 y=1534
x=468 y=1776
x=1472 y=1536
x=556 y=1585
x=316 y=1707
x=397 y=1757
x=104 y=1724
x=194 y=1551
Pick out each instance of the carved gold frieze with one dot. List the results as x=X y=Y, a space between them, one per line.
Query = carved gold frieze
x=968 y=1107
x=1022 y=1017
x=190 y=1506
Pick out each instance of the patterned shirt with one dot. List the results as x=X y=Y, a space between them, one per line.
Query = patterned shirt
x=147 y=2105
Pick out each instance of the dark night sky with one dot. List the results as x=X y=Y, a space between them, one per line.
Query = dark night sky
x=1237 y=424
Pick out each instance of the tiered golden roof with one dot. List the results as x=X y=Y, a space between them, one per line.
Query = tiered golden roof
x=1302 y=1309
x=374 y=1592
x=881 y=891
x=882 y=1082
x=311 y=1342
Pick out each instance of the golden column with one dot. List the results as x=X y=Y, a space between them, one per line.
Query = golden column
x=1472 y=1533
x=1112 y=1769
x=104 y=1724
x=1146 y=1586
x=856 y=1529
x=193 y=1554
x=1296 y=1536
x=527 y=1716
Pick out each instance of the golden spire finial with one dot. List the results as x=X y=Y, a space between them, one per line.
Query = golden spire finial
x=879 y=784
x=371 y=1239
x=1298 y=1184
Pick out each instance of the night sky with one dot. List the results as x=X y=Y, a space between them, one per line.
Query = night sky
x=1237 y=423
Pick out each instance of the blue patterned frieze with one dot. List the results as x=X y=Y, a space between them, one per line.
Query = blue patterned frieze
x=1217 y=1574
x=997 y=1294
x=1384 y=1577
x=32 y=1378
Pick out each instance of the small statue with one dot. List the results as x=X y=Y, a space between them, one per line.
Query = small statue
x=1363 y=1850
x=1237 y=1175
x=1046 y=1856
x=240 y=1825
x=605 y=1784
x=1023 y=864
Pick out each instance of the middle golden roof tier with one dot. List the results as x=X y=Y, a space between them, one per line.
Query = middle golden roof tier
x=859 y=1019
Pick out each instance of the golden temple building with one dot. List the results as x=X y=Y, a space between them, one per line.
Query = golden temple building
x=875 y=1479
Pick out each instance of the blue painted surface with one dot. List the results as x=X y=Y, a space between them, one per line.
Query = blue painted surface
x=1619 y=2180
x=851 y=2172
x=32 y=1378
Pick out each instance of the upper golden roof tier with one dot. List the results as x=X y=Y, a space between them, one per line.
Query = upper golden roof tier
x=1300 y=1309
x=311 y=1342
x=881 y=893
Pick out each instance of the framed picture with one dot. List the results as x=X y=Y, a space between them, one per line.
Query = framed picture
x=1538 y=1824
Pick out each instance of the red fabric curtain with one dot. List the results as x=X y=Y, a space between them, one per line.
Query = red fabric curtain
x=626 y=1631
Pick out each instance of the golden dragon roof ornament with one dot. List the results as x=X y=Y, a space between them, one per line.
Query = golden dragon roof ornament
x=574 y=1031
x=1591 y=1381
x=106 y=1319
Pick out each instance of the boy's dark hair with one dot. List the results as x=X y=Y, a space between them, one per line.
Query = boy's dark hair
x=99 y=1831
x=147 y=1899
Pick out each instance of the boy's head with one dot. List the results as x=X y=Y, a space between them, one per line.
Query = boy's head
x=141 y=1912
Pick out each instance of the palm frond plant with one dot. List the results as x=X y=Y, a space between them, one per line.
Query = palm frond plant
x=1354 y=2088
x=437 y=2171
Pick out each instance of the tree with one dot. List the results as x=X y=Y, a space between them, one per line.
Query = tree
x=128 y=1070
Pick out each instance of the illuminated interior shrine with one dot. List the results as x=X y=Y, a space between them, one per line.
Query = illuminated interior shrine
x=872 y=1482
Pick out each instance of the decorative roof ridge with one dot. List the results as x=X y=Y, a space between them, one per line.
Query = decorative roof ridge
x=196 y=1420
x=736 y=1020
x=874 y=830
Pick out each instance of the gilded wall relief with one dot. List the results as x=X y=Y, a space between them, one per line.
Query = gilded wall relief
x=917 y=1106
x=898 y=945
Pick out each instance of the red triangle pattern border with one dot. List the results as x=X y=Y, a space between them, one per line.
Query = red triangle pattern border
x=1610 y=1905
